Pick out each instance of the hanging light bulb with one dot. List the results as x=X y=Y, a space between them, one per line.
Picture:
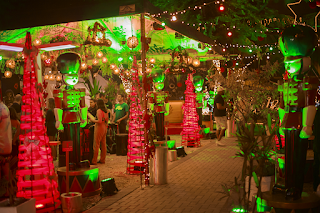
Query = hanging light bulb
x=59 y=76
x=152 y=60
x=174 y=18
x=46 y=77
x=132 y=42
x=99 y=54
x=149 y=70
x=95 y=61
x=104 y=60
x=84 y=65
x=196 y=62
x=8 y=74
x=52 y=77
x=113 y=66
x=43 y=56
x=116 y=71
x=37 y=42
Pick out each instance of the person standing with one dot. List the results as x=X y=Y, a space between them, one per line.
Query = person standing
x=220 y=115
x=15 y=126
x=100 y=131
x=51 y=126
x=17 y=105
x=93 y=107
x=121 y=111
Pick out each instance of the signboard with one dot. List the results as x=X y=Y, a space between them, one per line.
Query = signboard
x=127 y=9
x=67 y=146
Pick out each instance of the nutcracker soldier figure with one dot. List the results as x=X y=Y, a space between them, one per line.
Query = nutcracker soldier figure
x=297 y=104
x=158 y=102
x=70 y=111
x=201 y=103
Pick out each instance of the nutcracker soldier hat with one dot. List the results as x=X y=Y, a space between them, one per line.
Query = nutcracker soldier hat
x=69 y=63
x=158 y=75
x=297 y=41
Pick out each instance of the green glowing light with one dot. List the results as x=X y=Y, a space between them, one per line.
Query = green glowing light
x=130 y=58
x=238 y=210
x=93 y=174
x=206 y=130
x=237 y=63
x=0 y=57
x=250 y=50
x=271 y=48
x=105 y=180
x=120 y=59
x=163 y=24
x=171 y=144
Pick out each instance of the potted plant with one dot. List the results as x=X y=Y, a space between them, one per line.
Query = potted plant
x=255 y=97
x=8 y=187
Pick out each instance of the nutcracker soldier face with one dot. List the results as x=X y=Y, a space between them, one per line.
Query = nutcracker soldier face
x=297 y=43
x=158 y=80
x=198 y=83
x=69 y=65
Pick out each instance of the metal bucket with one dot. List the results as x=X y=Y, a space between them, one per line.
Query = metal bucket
x=72 y=202
x=161 y=165
x=172 y=155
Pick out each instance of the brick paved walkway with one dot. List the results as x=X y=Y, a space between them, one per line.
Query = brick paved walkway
x=193 y=185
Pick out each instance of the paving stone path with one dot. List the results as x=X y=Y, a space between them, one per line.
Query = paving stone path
x=194 y=183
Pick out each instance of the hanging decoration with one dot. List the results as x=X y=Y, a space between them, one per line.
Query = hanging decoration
x=59 y=77
x=47 y=62
x=196 y=63
x=99 y=54
x=10 y=63
x=8 y=74
x=95 y=61
x=135 y=158
x=190 y=131
x=104 y=60
x=113 y=66
x=152 y=60
x=35 y=158
x=37 y=42
x=132 y=42
x=83 y=65
x=93 y=37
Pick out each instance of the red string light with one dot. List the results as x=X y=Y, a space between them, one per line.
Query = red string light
x=190 y=132
x=135 y=156
x=36 y=176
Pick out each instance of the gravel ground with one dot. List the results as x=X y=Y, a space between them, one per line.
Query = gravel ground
x=115 y=167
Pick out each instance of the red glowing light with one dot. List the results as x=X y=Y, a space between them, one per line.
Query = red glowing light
x=38 y=206
x=229 y=33
x=224 y=49
x=190 y=131
x=221 y=8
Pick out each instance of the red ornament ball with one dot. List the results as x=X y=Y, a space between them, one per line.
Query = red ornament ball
x=260 y=38
x=89 y=67
x=179 y=84
x=318 y=2
x=222 y=69
x=313 y=5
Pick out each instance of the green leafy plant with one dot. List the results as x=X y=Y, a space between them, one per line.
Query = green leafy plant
x=93 y=87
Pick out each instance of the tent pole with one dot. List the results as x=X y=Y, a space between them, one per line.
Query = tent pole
x=144 y=94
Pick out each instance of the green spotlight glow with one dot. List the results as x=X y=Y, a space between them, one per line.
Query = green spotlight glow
x=120 y=59
x=93 y=174
x=238 y=210
x=130 y=58
x=237 y=63
x=105 y=180
x=171 y=143
x=0 y=57
x=250 y=50
x=206 y=130
x=271 y=48
x=163 y=24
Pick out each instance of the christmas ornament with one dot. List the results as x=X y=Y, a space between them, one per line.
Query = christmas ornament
x=196 y=63
x=10 y=63
x=95 y=61
x=94 y=39
x=104 y=60
x=113 y=66
x=37 y=42
x=132 y=42
x=8 y=74
x=99 y=54
x=83 y=65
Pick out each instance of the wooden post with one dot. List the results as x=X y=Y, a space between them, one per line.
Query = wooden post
x=67 y=172
x=144 y=94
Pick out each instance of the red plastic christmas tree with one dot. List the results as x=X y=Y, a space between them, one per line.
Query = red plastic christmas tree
x=190 y=131
x=135 y=159
x=36 y=176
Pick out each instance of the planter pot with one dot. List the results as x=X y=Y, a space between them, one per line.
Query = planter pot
x=24 y=206
x=72 y=202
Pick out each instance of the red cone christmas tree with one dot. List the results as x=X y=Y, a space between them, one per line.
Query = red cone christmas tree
x=36 y=177
x=190 y=131
x=135 y=159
